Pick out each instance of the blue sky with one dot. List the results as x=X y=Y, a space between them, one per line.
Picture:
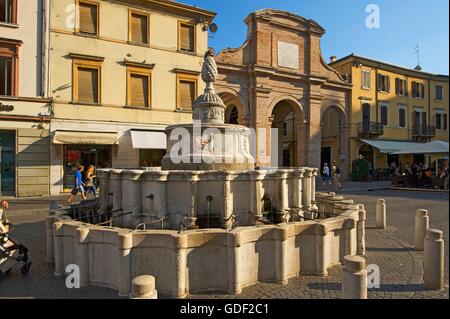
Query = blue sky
x=403 y=24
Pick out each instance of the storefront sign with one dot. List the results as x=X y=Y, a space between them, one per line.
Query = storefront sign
x=6 y=108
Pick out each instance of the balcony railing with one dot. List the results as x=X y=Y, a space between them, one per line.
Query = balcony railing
x=371 y=129
x=424 y=131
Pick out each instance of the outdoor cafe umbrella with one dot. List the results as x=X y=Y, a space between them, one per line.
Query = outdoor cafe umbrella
x=435 y=147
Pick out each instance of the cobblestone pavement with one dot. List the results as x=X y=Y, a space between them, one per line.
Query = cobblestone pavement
x=400 y=266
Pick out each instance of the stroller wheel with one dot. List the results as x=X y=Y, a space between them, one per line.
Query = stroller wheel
x=25 y=268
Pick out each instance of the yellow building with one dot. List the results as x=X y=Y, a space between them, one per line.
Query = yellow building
x=392 y=106
x=120 y=72
x=24 y=103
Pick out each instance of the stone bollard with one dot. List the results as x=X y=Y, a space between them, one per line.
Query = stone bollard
x=421 y=227
x=354 y=278
x=143 y=287
x=381 y=214
x=433 y=277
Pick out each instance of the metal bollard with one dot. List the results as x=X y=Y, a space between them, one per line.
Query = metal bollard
x=381 y=214
x=421 y=227
x=354 y=278
x=433 y=266
x=143 y=287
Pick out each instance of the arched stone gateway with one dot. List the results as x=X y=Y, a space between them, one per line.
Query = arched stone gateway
x=334 y=137
x=280 y=66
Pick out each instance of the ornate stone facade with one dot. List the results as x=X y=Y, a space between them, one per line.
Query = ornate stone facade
x=281 y=62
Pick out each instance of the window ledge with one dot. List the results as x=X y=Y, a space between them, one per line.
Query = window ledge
x=179 y=110
x=365 y=88
x=187 y=52
x=9 y=25
x=142 y=108
x=85 y=103
x=87 y=35
x=139 y=44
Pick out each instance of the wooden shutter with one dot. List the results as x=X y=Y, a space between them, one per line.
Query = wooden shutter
x=384 y=115
x=139 y=90
x=402 y=117
x=397 y=85
x=406 y=87
x=379 y=82
x=88 y=85
x=388 y=84
x=186 y=94
x=6 y=76
x=186 y=37
x=139 y=28
x=422 y=90
x=88 y=18
x=444 y=119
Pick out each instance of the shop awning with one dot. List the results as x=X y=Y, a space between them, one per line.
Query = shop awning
x=90 y=138
x=435 y=147
x=390 y=147
x=149 y=140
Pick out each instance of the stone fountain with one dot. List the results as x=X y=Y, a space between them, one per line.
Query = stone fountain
x=208 y=177
x=206 y=220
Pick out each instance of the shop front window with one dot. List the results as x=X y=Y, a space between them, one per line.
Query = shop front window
x=98 y=155
x=7 y=163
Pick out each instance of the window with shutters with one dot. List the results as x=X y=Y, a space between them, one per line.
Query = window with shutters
x=88 y=17
x=138 y=28
x=401 y=87
x=87 y=82
x=384 y=111
x=365 y=79
x=384 y=83
x=402 y=116
x=441 y=120
x=9 y=61
x=8 y=11
x=418 y=90
x=186 y=37
x=186 y=91
x=139 y=87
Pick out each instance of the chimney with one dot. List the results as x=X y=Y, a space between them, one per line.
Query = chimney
x=333 y=59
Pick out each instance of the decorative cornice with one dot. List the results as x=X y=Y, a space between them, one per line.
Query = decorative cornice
x=139 y=64
x=86 y=57
x=184 y=71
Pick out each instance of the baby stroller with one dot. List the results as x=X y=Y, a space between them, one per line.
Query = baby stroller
x=11 y=252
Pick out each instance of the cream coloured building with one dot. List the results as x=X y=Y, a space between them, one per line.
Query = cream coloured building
x=24 y=108
x=120 y=73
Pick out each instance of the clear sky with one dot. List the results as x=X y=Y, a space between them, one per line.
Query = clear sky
x=403 y=23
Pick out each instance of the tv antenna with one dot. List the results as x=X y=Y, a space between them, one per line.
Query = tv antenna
x=417 y=51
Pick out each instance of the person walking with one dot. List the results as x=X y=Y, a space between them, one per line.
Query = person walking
x=77 y=185
x=445 y=176
x=326 y=174
x=89 y=181
x=336 y=170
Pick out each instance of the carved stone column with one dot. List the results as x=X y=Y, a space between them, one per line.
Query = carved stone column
x=103 y=177
x=116 y=189
x=283 y=202
x=191 y=221
x=313 y=189
x=256 y=195
x=227 y=200
x=298 y=190
x=131 y=197
x=306 y=194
